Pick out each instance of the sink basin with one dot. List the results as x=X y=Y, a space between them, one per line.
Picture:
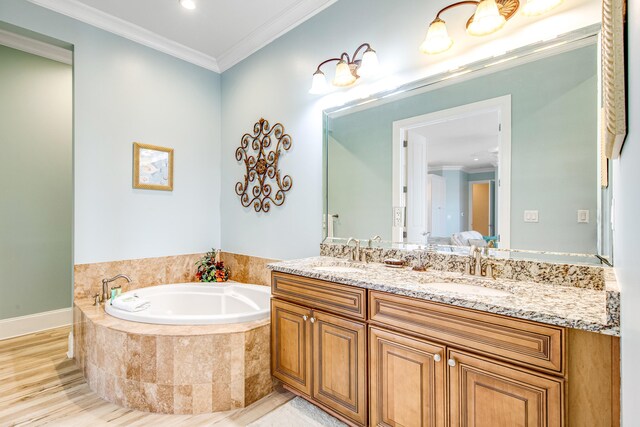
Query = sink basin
x=468 y=289
x=337 y=269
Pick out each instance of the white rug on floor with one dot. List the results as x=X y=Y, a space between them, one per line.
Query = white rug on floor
x=297 y=413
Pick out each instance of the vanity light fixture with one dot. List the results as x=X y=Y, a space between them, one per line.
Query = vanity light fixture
x=489 y=17
x=188 y=4
x=348 y=69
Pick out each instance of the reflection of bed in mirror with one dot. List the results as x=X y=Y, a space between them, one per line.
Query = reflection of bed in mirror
x=510 y=153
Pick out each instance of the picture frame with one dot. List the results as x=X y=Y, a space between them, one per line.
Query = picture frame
x=152 y=167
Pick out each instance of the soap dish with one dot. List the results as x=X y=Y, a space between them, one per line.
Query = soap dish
x=394 y=263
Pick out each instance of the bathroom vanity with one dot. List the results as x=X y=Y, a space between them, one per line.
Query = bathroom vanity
x=376 y=346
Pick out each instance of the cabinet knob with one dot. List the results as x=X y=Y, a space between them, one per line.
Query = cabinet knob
x=313 y=320
x=437 y=357
x=305 y=317
x=451 y=362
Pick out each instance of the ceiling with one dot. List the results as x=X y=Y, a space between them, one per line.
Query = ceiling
x=216 y=35
x=458 y=142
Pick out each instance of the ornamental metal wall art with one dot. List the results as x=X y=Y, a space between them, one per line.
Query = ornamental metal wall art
x=262 y=167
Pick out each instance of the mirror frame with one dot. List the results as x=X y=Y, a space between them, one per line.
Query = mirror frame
x=613 y=76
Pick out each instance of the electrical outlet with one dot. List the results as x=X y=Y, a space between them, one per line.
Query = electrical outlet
x=398 y=220
x=583 y=216
x=530 y=216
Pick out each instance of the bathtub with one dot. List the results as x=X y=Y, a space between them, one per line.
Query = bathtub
x=199 y=304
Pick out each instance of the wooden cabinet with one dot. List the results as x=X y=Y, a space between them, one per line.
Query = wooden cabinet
x=422 y=363
x=291 y=345
x=339 y=365
x=320 y=355
x=484 y=393
x=407 y=378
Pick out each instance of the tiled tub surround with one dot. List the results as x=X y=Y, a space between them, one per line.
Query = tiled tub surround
x=172 y=369
x=171 y=269
x=579 y=307
x=87 y=278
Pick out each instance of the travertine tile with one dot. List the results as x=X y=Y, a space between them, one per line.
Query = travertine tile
x=183 y=399
x=220 y=396
x=183 y=360
x=144 y=272
x=164 y=360
x=202 y=398
x=248 y=269
x=133 y=359
x=148 y=363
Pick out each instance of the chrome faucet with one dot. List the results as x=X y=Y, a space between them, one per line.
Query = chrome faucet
x=375 y=238
x=105 y=284
x=355 y=253
x=474 y=265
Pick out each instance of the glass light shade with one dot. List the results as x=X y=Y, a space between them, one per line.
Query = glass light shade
x=486 y=20
x=343 y=76
x=437 y=40
x=538 y=7
x=369 y=65
x=188 y=4
x=319 y=83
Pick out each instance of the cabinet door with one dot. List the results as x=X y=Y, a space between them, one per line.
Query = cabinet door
x=407 y=381
x=291 y=345
x=339 y=365
x=484 y=393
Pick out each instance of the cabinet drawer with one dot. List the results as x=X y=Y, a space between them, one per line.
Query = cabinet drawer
x=318 y=294
x=513 y=340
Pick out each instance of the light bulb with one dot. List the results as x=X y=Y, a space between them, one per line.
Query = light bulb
x=538 y=7
x=188 y=4
x=369 y=65
x=437 y=40
x=319 y=83
x=343 y=76
x=486 y=20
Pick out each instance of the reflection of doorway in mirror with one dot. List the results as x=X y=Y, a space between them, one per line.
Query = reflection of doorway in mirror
x=480 y=207
x=438 y=158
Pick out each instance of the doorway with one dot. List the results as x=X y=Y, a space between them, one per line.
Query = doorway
x=481 y=207
x=462 y=145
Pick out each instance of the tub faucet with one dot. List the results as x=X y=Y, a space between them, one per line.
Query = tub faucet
x=105 y=284
x=355 y=253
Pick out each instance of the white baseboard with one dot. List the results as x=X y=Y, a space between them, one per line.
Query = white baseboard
x=24 y=325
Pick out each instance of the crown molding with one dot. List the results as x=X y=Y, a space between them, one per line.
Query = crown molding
x=92 y=16
x=265 y=34
x=35 y=47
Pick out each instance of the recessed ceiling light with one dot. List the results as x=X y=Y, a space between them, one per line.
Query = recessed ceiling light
x=188 y=4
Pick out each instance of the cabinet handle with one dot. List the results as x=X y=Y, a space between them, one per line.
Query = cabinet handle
x=437 y=357
x=313 y=320
x=305 y=317
x=451 y=362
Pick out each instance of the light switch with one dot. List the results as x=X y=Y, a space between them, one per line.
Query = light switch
x=583 y=216
x=530 y=216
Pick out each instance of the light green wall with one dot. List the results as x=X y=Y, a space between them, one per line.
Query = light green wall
x=554 y=148
x=125 y=92
x=35 y=184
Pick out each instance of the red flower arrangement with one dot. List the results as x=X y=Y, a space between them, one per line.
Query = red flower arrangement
x=211 y=269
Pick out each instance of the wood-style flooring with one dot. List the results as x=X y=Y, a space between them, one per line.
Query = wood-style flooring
x=40 y=386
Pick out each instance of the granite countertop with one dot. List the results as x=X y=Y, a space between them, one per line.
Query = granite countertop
x=573 y=307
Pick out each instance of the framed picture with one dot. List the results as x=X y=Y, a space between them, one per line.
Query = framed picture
x=152 y=167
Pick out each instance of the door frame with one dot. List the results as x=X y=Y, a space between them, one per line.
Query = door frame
x=401 y=128
x=491 y=200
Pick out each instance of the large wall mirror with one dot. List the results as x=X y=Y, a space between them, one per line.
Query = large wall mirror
x=506 y=153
